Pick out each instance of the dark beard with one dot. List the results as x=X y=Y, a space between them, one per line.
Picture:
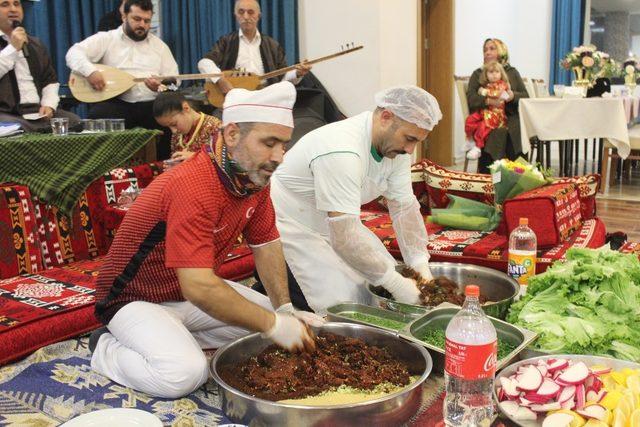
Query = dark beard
x=132 y=34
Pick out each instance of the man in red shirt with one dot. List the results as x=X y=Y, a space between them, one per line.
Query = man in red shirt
x=158 y=293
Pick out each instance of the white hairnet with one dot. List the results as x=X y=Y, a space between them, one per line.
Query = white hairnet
x=412 y=104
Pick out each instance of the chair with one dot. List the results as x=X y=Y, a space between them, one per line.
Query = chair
x=611 y=153
x=540 y=87
x=529 y=86
x=462 y=83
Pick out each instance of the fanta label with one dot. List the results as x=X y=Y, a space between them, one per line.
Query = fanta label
x=522 y=265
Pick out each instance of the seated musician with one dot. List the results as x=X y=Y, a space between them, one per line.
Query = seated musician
x=27 y=84
x=248 y=49
x=133 y=49
x=190 y=130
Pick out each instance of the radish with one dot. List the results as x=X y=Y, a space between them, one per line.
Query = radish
x=543 y=370
x=524 y=414
x=501 y=395
x=558 y=420
x=530 y=380
x=580 y=396
x=525 y=402
x=568 y=404
x=509 y=387
x=575 y=374
x=594 y=411
x=536 y=398
x=601 y=395
x=509 y=408
x=557 y=364
x=592 y=396
x=546 y=408
x=548 y=388
x=600 y=370
x=567 y=393
x=597 y=384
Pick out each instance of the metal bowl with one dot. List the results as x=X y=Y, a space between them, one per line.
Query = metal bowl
x=588 y=360
x=494 y=284
x=393 y=409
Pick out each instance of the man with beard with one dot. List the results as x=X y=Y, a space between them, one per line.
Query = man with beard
x=133 y=49
x=248 y=49
x=158 y=292
x=28 y=84
x=325 y=178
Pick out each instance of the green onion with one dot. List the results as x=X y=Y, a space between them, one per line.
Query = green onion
x=375 y=320
x=436 y=338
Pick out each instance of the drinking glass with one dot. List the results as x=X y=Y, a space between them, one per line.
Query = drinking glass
x=115 y=125
x=60 y=126
x=99 y=125
x=87 y=125
x=558 y=90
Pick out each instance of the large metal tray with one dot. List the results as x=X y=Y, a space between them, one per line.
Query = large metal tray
x=588 y=360
x=340 y=312
x=393 y=409
x=439 y=318
x=494 y=284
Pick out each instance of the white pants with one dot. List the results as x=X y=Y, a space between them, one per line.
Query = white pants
x=157 y=348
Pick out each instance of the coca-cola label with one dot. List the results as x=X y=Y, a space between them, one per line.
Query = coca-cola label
x=471 y=362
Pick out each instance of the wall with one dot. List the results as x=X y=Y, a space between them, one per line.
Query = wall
x=524 y=26
x=388 y=31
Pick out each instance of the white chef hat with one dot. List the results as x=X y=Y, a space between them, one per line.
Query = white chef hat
x=412 y=104
x=273 y=104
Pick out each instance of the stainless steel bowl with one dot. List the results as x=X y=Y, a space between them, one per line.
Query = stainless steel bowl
x=495 y=285
x=393 y=409
x=588 y=360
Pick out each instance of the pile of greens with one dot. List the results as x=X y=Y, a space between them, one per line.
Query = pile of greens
x=436 y=337
x=589 y=304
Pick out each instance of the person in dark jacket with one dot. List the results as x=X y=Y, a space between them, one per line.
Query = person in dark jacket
x=501 y=142
x=248 y=49
x=112 y=20
x=28 y=84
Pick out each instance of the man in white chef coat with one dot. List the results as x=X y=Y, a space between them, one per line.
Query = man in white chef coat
x=324 y=179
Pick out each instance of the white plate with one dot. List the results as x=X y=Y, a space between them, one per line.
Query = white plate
x=121 y=417
x=33 y=116
x=615 y=364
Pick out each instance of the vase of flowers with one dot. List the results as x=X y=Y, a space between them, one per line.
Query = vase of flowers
x=585 y=63
x=631 y=72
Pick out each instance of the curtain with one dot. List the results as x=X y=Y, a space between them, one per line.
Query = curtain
x=191 y=27
x=61 y=23
x=567 y=28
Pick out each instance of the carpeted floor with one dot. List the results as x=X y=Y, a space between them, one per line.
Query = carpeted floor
x=56 y=384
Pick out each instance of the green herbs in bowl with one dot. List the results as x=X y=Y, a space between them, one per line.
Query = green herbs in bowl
x=375 y=320
x=436 y=338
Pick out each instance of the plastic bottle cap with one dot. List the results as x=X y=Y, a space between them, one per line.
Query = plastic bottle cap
x=524 y=221
x=472 y=291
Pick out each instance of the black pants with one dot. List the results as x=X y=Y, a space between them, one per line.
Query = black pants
x=486 y=160
x=295 y=293
x=135 y=114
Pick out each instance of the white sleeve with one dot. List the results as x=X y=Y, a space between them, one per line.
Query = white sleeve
x=50 y=96
x=169 y=66
x=8 y=58
x=207 y=66
x=399 y=182
x=411 y=232
x=337 y=179
x=81 y=56
x=292 y=76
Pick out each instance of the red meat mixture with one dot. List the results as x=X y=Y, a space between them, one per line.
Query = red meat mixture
x=277 y=374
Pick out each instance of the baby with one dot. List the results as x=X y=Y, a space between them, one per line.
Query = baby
x=494 y=84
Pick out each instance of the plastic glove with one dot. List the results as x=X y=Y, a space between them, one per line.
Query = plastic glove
x=307 y=317
x=504 y=96
x=403 y=289
x=291 y=333
x=424 y=271
x=482 y=91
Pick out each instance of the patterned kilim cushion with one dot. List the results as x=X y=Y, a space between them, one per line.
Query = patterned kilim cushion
x=19 y=251
x=553 y=212
x=488 y=249
x=38 y=309
x=120 y=179
x=441 y=181
x=64 y=242
x=630 y=248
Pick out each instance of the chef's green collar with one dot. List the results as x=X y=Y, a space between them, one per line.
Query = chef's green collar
x=376 y=156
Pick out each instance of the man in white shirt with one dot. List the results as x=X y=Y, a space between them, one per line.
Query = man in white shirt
x=324 y=179
x=28 y=85
x=248 y=49
x=133 y=49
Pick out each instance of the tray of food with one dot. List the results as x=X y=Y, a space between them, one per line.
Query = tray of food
x=358 y=374
x=429 y=331
x=367 y=315
x=497 y=290
x=570 y=390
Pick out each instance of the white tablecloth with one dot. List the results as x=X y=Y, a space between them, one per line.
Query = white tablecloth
x=552 y=119
x=631 y=107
